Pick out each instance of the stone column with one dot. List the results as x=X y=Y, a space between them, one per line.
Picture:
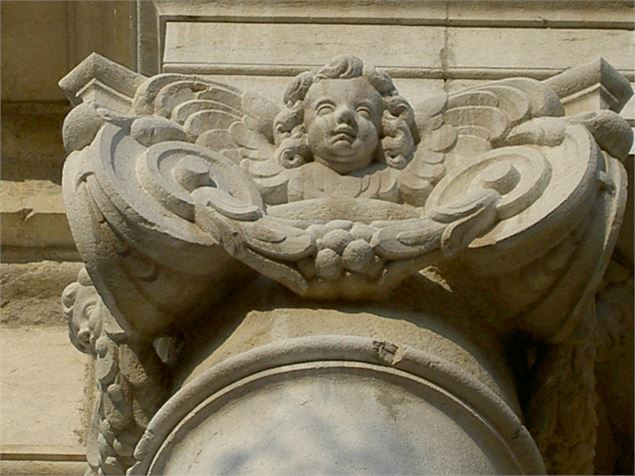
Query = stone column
x=343 y=283
x=314 y=388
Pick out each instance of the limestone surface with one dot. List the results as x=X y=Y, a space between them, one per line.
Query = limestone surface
x=179 y=189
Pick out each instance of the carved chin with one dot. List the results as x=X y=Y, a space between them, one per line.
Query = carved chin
x=345 y=163
x=342 y=141
x=342 y=151
x=343 y=156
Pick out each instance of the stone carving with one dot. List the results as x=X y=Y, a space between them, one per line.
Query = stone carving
x=84 y=311
x=129 y=375
x=178 y=187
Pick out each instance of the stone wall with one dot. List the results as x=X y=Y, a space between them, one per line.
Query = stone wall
x=427 y=47
x=47 y=389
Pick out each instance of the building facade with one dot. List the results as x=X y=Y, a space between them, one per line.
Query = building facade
x=429 y=48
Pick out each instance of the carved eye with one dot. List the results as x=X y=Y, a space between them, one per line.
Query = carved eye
x=364 y=112
x=324 y=108
x=88 y=310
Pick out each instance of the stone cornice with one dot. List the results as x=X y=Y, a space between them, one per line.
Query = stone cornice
x=95 y=71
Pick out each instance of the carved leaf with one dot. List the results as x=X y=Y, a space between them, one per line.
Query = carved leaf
x=272 y=238
x=407 y=239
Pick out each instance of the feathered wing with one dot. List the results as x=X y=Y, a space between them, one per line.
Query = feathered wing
x=129 y=195
x=561 y=194
x=456 y=128
x=235 y=123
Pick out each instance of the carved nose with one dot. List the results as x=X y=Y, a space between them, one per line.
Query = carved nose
x=84 y=336
x=345 y=116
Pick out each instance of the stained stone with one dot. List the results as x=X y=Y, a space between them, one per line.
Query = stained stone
x=306 y=238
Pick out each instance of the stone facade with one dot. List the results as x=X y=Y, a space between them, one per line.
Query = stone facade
x=429 y=245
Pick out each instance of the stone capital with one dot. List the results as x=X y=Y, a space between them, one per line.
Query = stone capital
x=246 y=252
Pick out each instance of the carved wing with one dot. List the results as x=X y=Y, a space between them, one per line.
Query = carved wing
x=206 y=109
x=128 y=194
x=458 y=127
x=235 y=123
x=555 y=175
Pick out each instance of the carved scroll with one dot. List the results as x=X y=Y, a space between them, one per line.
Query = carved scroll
x=180 y=187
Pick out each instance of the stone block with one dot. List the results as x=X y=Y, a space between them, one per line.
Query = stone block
x=263 y=48
x=519 y=50
x=31 y=292
x=545 y=13
x=45 y=390
x=33 y=217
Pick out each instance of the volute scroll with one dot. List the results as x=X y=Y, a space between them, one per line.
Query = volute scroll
x=180 y=190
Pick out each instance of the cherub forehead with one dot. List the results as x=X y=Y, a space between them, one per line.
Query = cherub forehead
x=343 y=91
x=86 y=296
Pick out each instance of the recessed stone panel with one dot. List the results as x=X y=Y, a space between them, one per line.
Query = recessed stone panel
x=260 y=48
x=538 y=48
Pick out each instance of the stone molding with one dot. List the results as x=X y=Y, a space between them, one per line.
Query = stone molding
x=153 y=16
x=178 y=191
x=97 y=71
x=309 y=354
x=595 y=78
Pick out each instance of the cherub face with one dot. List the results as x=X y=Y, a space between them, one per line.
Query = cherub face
x=85 y=324
x=342 y=118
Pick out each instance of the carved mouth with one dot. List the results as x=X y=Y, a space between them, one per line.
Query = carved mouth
x=344 y=133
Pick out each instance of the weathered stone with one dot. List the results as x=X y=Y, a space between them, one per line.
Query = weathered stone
x=344 y=192
x=173 y=311
x=31 y=292
x=28 y=376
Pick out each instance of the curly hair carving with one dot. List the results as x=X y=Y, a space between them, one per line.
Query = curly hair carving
x=399 y=132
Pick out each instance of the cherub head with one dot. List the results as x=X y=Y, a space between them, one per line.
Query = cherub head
x=82 y=309
x=345 y=115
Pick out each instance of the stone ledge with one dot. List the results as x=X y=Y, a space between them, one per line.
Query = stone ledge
x=517 y=13
x=31 y=292
x=39 y=453
x=106 y=72
x=33 y=216
x=43 y=468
